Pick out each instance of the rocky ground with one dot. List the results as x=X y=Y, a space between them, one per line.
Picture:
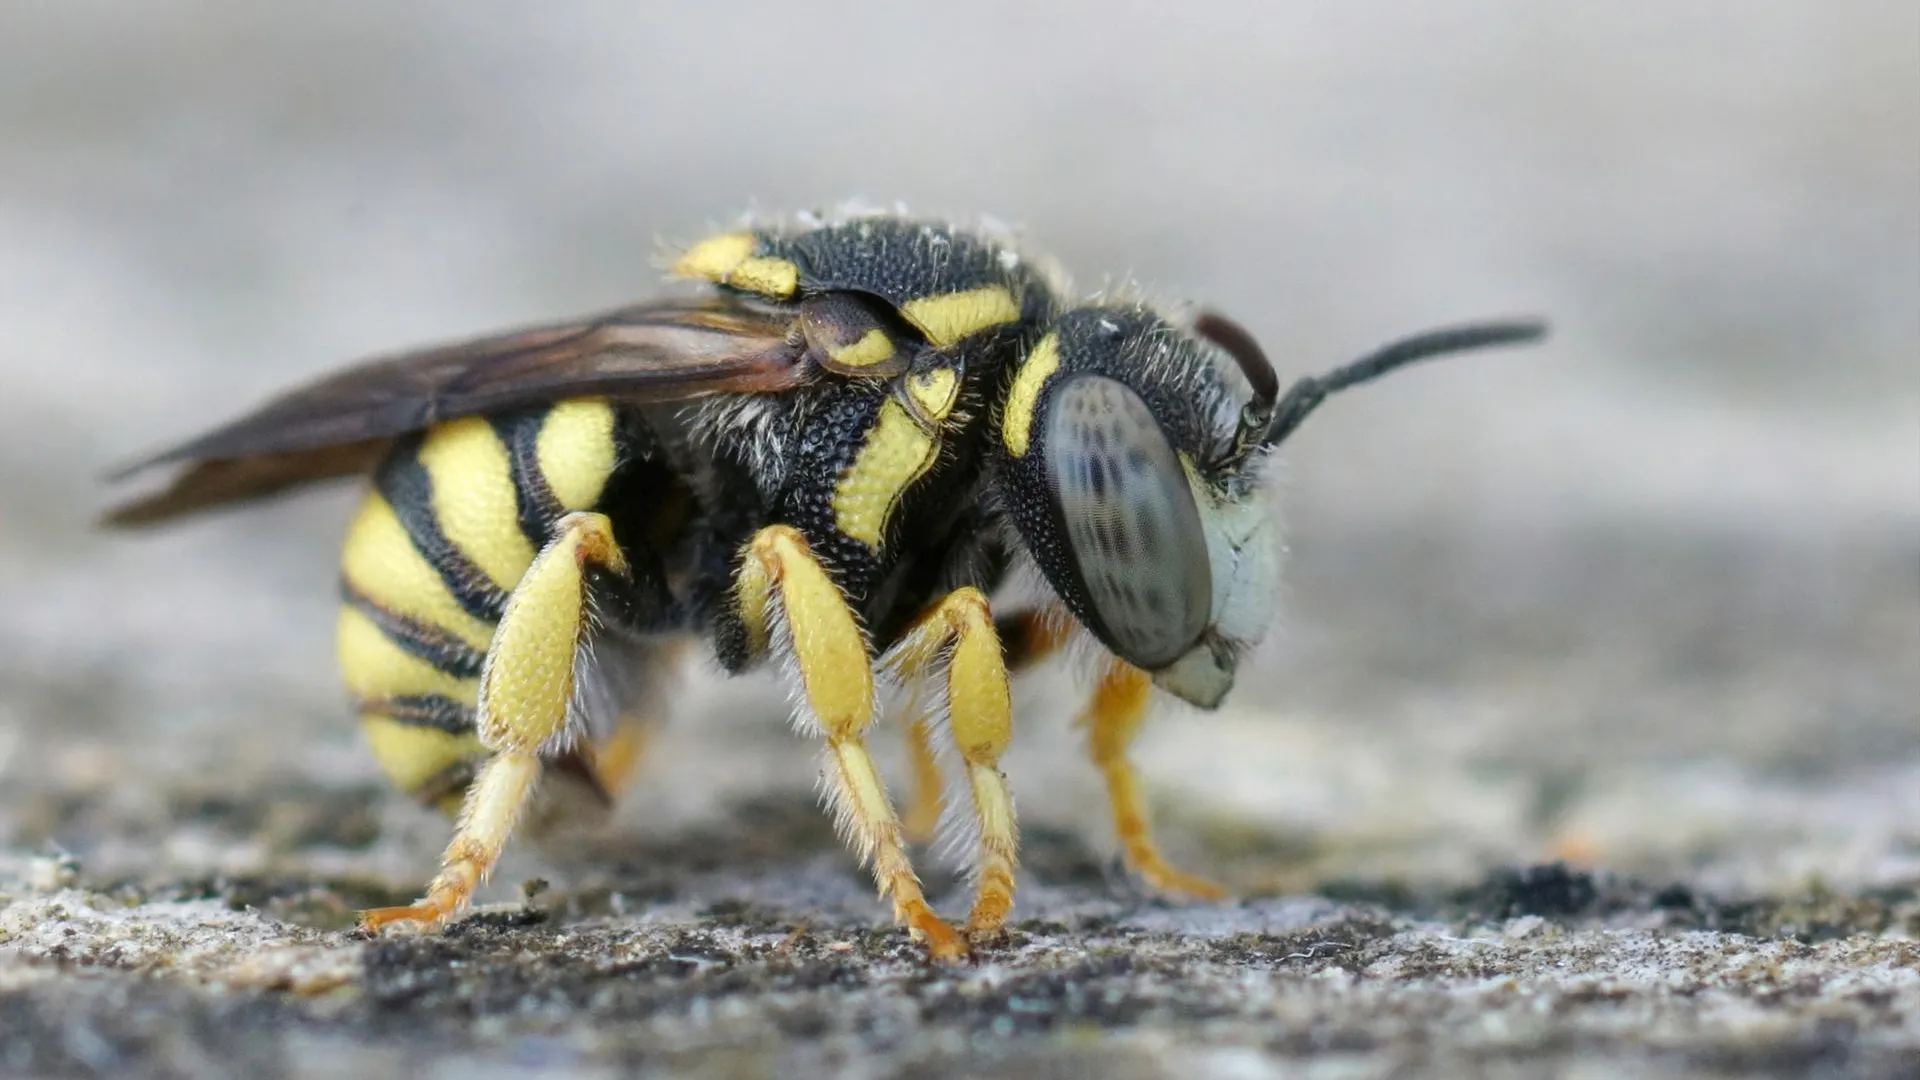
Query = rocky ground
x=1741 y=901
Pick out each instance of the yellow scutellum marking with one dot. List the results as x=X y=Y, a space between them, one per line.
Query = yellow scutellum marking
x=1041 y=363
x=896 y=453
x=376 y=669
x=474 y=502
x=715 y=258
x=576 y=452
x=773 y=278
x=934 y=392
x=1112 y=718
x=380 y=561
x=836 y=676
x=525 y=690
x=953 y=317
x=729 y=260
x=411 y=755
x=874 y=347
x=980 y=715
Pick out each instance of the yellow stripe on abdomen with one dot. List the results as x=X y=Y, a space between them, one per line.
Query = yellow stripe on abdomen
x=380 y=562
x=377 y=669
x=416 y=759
x=576 y=453
x=473 y=498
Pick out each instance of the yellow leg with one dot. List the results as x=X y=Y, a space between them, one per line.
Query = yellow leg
x=922 y=818
x=836 y=673
x=526 y=687
x=1112 y=719
x=1026 y=638
x=617 y=756
x=980 y=714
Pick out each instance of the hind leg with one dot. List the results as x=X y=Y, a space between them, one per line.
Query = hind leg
x=526 y=688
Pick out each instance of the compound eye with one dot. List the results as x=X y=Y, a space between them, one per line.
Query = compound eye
x=1131 y=528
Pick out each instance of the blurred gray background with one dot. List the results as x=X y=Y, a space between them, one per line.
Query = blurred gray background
x=1649 y=595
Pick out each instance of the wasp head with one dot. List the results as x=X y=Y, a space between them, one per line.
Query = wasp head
x=1136 y=448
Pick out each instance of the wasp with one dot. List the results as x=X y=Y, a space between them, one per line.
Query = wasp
x=833 y=454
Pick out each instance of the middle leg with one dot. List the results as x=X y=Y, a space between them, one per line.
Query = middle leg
x=980 y=717
x=781 y=578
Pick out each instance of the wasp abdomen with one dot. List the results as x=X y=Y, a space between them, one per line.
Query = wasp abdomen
x=455 y=518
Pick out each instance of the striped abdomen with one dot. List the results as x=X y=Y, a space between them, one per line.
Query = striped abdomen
x=454 y=520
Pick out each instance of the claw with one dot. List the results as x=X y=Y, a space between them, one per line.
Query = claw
x=428 y=913
x=943 y=944
x=1165 y=879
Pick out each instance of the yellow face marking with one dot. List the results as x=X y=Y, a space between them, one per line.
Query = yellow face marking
x=934 y=391
x=715 y=258
x=897 y=451
x=874 y=347
x=956 y=316
x=1041 y=363
x=473 y=498
x=775 y=278
x=375 y=668
x=413 y=757
x=380 y=561
x=576 y=452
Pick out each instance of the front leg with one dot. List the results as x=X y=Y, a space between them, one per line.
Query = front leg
x=1112 y=718
x=526 y=689
x=781 y=580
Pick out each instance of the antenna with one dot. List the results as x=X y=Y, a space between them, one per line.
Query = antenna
x=1307 y=393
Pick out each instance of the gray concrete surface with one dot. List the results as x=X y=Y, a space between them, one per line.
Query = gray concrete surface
x=1647 y=599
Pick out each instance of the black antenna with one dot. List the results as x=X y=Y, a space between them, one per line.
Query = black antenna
x=1307 y=393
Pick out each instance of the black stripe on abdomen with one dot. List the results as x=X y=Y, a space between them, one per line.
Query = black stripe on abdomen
x=443 y=650
x=404 y=483
x=538 y=507
x=435 y=711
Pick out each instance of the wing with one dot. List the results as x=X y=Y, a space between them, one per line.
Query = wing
x=670 y=350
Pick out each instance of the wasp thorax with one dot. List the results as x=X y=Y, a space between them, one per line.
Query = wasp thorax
x=1123 y=431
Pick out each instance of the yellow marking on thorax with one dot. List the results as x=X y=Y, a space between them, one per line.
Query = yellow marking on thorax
x=730 y=260
x=375 y=668
x=874 y=347
x=714 y=258
x=896 y=453
x=774 y=278
x=576 y=452
x=955 y=316
x=934 y=391
x=411 y=756
x=1017 y=426
x=474 y=500
x=380 y=561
